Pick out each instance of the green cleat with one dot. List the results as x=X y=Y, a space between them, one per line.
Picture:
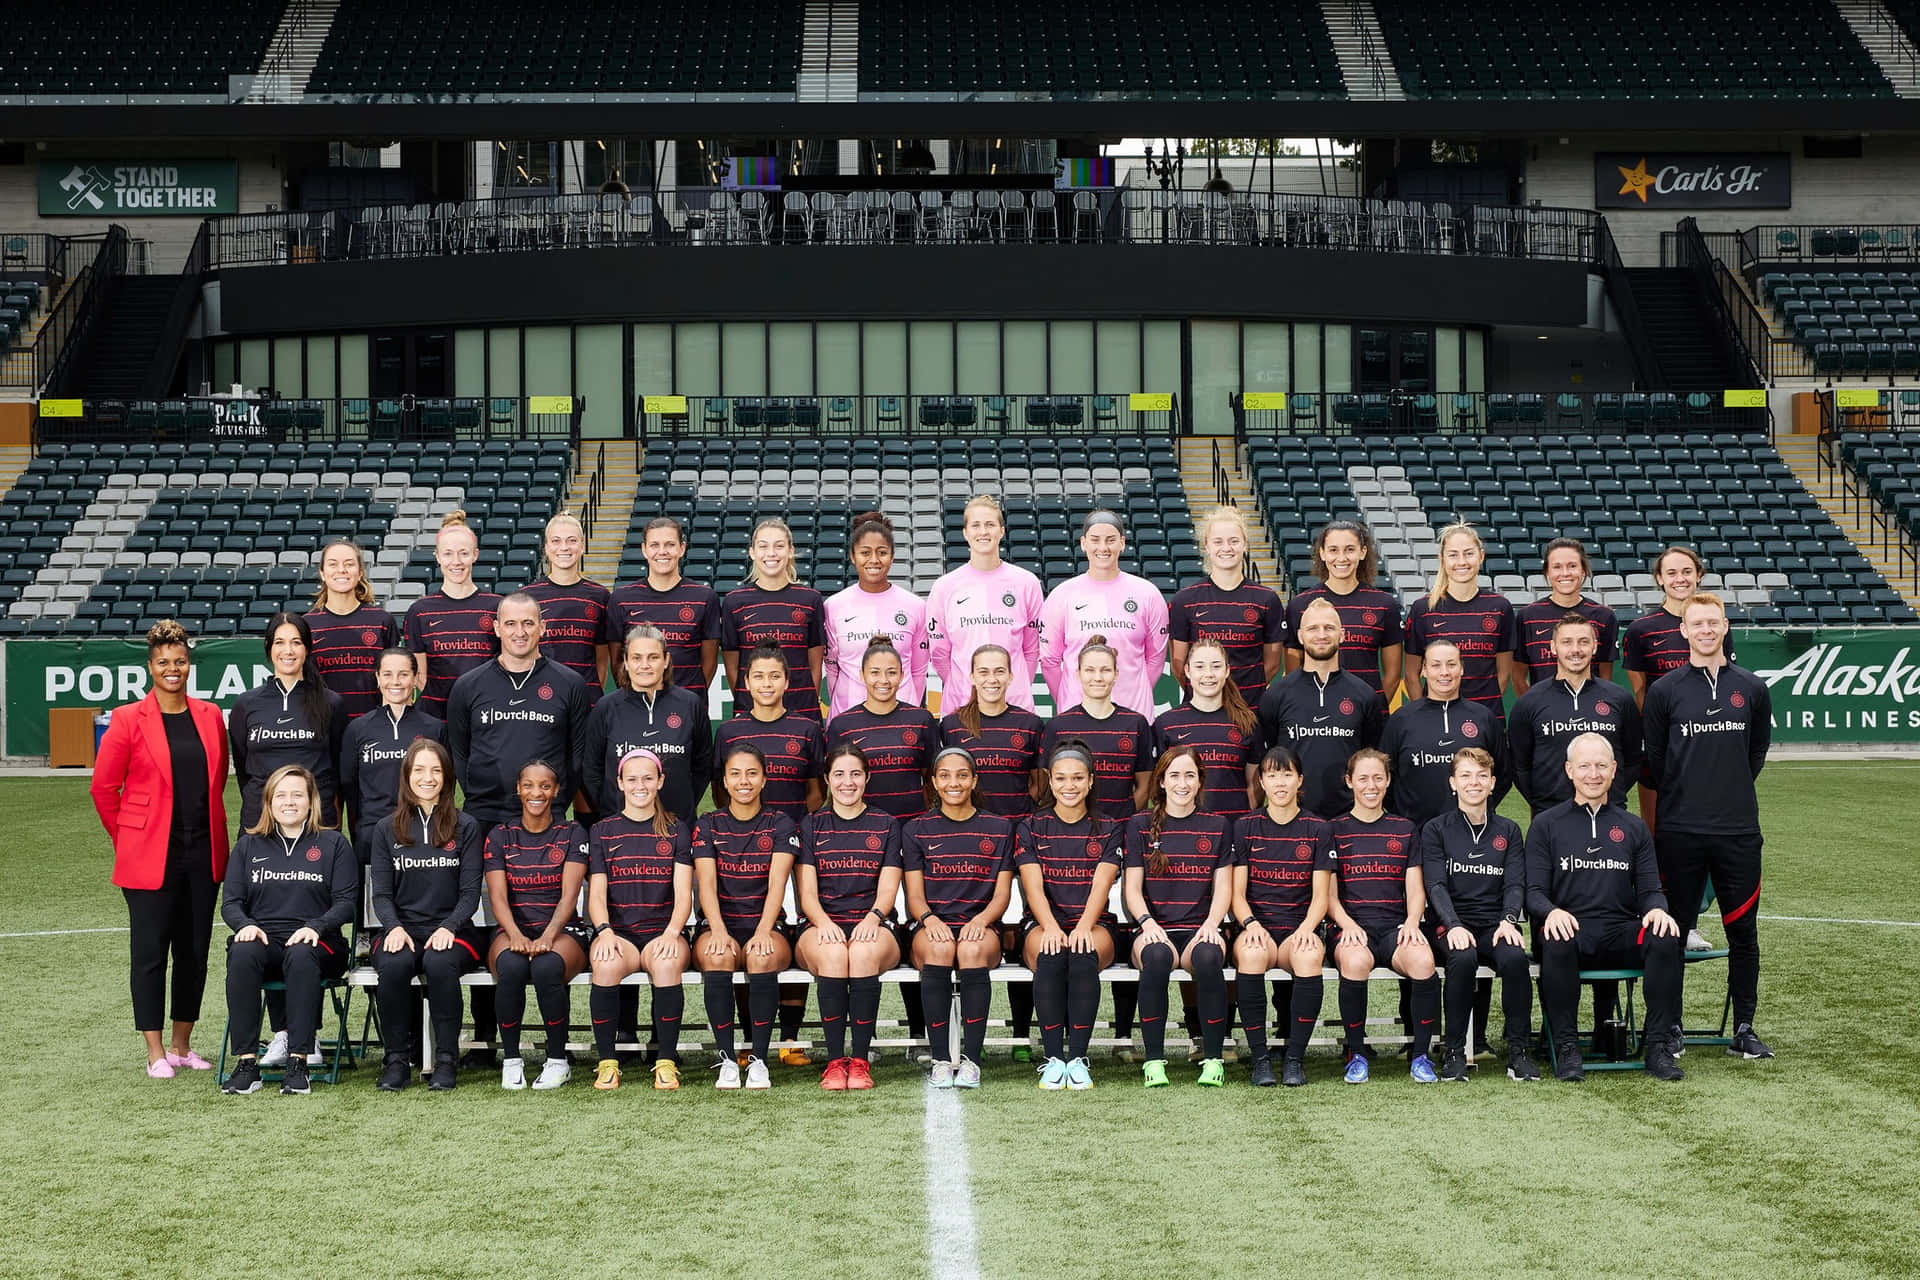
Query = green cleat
x=1154 y=1073
x=1213 y=1073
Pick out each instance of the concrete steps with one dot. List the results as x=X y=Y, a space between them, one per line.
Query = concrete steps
x=607 y=534
x=287 y=65
x=1365 y=65
x=1203 y=495
x=1882 y=37
x=1802 y=454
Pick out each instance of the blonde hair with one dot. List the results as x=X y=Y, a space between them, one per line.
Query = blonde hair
x=266 y=822
x=985 y=500
x=1204 y=526
x=561 y=517
x=1473 y=755
x=1707 y=598
x=793 y=552
x=362 y=590
x=1440 y=570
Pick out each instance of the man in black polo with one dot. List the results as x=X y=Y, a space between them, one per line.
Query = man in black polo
x=1324 y=713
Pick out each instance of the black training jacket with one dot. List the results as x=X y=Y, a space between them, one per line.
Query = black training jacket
x=1596 y=864
x=1549 y=716
x=1421 y=739
x=672 y=724
x=268 y=727
x=309 y=882
x=422 y=886
x=1707 y=736
x=497 y=721
x=1324 y=724
x=370 y=756
x=1474 y=882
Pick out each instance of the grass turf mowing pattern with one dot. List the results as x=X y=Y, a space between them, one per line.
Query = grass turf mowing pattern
x=1802 y=1165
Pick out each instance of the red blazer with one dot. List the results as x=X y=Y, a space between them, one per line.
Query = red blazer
x=133 y=789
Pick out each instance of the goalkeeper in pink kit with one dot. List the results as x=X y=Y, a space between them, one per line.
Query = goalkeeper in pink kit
x=984 y=601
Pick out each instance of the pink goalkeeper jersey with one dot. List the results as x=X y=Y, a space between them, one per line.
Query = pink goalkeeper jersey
x=855 y=617
x=968 y=608
x=1130 y=612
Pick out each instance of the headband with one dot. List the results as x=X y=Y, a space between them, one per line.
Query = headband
x=640 y=753
x=1067 y=751
x=944 y=752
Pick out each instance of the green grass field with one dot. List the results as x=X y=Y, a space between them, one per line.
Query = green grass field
x=1802 y=1166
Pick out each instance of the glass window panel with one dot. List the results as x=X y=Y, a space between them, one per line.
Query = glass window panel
x=288 y=377
x=697 y=359
x=1265 y=356
x=836 y=355
x=653 y=360
x=1306 y=357
x=1216 y=374
x=883 y=362
x=743 y=359
x=503 y=362
x=1416 y=360
x=932 y=358
x=469 y=362
x=1339 y=358
x=549 y=361
x=253 y=363
x=600 y=379
x=977 y=371
x=222 y=365
x=1025 y=357
x=1162 y=372
x=1376 y=359
x=1070 y=357
x=1117 y=355
x=791 y=370
x=322 y=378
x=1446 y=360
x=1476 y=360
x=353 y=365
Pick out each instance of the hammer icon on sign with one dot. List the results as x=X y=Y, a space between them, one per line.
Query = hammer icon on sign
x=86 y=185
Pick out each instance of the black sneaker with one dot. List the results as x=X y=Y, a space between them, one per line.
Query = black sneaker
x=1262 y=1072
x=446 y=1073
x=395 y=1075
x=478 y=1060
x=1660 y=1063
x=1747 y=1045
x=295 y=1080
x=1293 y=1073
x=1455 y=1070
x=1520 y=1066
x=245 y=1077
x=1566 y=1062
x=1482 y=1047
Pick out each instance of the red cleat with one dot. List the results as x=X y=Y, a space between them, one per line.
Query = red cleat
x=859 y=1074
x=834 y=1078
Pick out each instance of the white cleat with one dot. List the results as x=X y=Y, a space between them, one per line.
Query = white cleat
x=757 y=1077
x=556 y=1072
x=513 y=1074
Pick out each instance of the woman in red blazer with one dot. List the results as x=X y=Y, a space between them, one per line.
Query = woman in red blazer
x=159 y=784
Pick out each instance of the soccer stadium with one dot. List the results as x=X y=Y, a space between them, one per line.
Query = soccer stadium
x=1208 y=613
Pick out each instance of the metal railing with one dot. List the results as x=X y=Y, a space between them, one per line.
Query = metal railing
x=672 y=417
x=32 y=252
x=1626 y=310
x=74 y=320
x=1497 y=413
x=1112 y=215
x=596 y=487
x=1878 y=242
x=318 y=421
x=1890 y=536
x=1740 y=331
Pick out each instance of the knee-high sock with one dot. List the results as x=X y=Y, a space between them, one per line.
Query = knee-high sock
x=1305 y=1013
x=556 y=1005
x=865 y=1009
x=1353 y=1012
x=511 y=973
x=1210 y=983
x=795 y=1013
x=1020 y=1006
x=603 y=1004
x=1049 y=999
x=936 y=997
x=1253 y=1012
x=628 y=1019
x=1426 y=1013
x=1156 y=967
x=976 y=996
x=763 y=1005
x=668 y=1004
x=835 y=994
x=1083 y=1000
x=716 y=985
x=910 y=995
x=485 y=1023
x=1126 y=999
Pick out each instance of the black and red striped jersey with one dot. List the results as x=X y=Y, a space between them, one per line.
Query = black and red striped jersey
x=899 y=747
x=1369 y=622
x=1370 y=861
x=847 y=856
x=792 y=618
x=1006 y=751
x=1121 y=744
x=1225 y=751
x=796 y=752
x=1244 y=620
x=743 y=854
x=1067 y=854
x=687 y=613
x=456 y=636
x=1533 y=629
x=347 y=648
x=1280 y=859
x=534 y=864
x=1482 y=628
x=1196 y=846
x=639 y=866
x=1655 y=645
x=959 y=860
x=573 y=626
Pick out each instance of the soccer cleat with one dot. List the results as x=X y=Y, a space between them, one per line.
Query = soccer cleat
x=555 y=1072
x=1357 y=1069
x=1481 y=1048
x=189 y=1059
x=729 y=1077
x=1053 y=1075
x=1023 y=1053
x=1567 y=1065
x=757 y=1077
x=1079 y=1075
x=1153 y=1073
x=1421 y=1069
x=940 y=1076
x=395 y=1074
x=1455 y=1069
x=275 y=1054
x=666 y=1074
x=607 y=1074
x=835 y=1077
x=968 y=1076
x=1213 y=1073
x=1261 y=1073
x=795 y=1058
x=513 y=1074
x=479 y=1060
x=1520 y=1066
x=245 y=1077
x=1194 y=1050
x=446 y=1073
x=296 y=1080
x=1697 y=941
x=160 y=1069
x=859 y=1073
x=1660 y=1064
x=1293 y=1073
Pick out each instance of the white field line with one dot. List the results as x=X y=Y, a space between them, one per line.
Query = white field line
x=951 y=1249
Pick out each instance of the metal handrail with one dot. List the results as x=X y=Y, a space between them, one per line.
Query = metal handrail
x=1739 y=329
x=1620 y=293
x=71 y=325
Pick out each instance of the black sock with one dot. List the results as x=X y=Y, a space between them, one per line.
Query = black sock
x=716 y=985
x=556 y=1003
x=1305 y=1015
x=792 y=1015
x=511 y=974
x=1126 y=998
x=835 y=994
x=1253 y=1013
x=916 y=1009
x=1083 y=1000
x=763 y=1003
x=668 y=1004
x=936 y=997
x=485 y=1021
x=1156 y=967
x=1020 y=1007
x=1426 y=1013
x=629 y=1019
x=1048 y=995
x=976 y=997
x=1353 y=1012
x=604 y=1005
x=1210 y=983
x=864 y=1009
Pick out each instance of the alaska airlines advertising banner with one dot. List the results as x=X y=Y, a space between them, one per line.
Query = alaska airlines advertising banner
x=1692 y=180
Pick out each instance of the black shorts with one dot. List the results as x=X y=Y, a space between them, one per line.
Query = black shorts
x=1382 y=942
x=638 y=939
x=575 y=928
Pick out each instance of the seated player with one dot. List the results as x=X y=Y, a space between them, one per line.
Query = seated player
x=1593 y=888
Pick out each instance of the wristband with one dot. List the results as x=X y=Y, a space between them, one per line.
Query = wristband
x=922 y=921
x=1148 y=920
x=875 y=913
x=600 y=929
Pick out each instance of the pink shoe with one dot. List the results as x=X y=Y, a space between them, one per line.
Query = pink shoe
x=159 y=1069
x=189 y=1059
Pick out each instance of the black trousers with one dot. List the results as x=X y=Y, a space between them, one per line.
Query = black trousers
x=440 y=971
x=1516 y=985
x=1623 y=946
x=251 y=965
x=174 y=920
x=1690 y=860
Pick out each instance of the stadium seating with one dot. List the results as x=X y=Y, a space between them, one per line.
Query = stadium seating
x=101 y=47
x=106 y=539
x=1887 y=465
x=566 y=46
x=1564 y=49
x=1855 y=322
x=719 y=487
x=1236 y=49
x=1770 y=549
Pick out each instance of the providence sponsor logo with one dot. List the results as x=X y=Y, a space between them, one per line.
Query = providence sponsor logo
x=981 y=620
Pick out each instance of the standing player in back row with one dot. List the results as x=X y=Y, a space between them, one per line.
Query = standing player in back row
x=1567 y=569
x=687 y=613
x=450 y=631
x=1346 y=560
x=1479 y=623
x=1246 y=618
x=1104 y=601
x=984 y=601
x=873 y=608
x=350 y=631
x=573 y=607
x=773 y=607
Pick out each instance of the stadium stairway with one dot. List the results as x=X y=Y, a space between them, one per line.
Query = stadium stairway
x=1802 y=454
x=1197 y=478
x=14 y=460
x=288 y=63
x=1880 y=35
x=621 y=460
x=1676 y=322
x=18 y=368
x=1365 y=64
x=136 y=328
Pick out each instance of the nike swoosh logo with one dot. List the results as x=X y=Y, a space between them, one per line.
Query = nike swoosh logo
x=434 y=622
x=1714 y=711
x=1077 y=608
x=284 y=720
x=514 y=702
x=1446 y=742
x=1593 y=848
x=1319 y=719
x=961 y=599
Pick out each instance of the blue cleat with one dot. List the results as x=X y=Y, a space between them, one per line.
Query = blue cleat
x=1422 y=1071
x=1357 y=1069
